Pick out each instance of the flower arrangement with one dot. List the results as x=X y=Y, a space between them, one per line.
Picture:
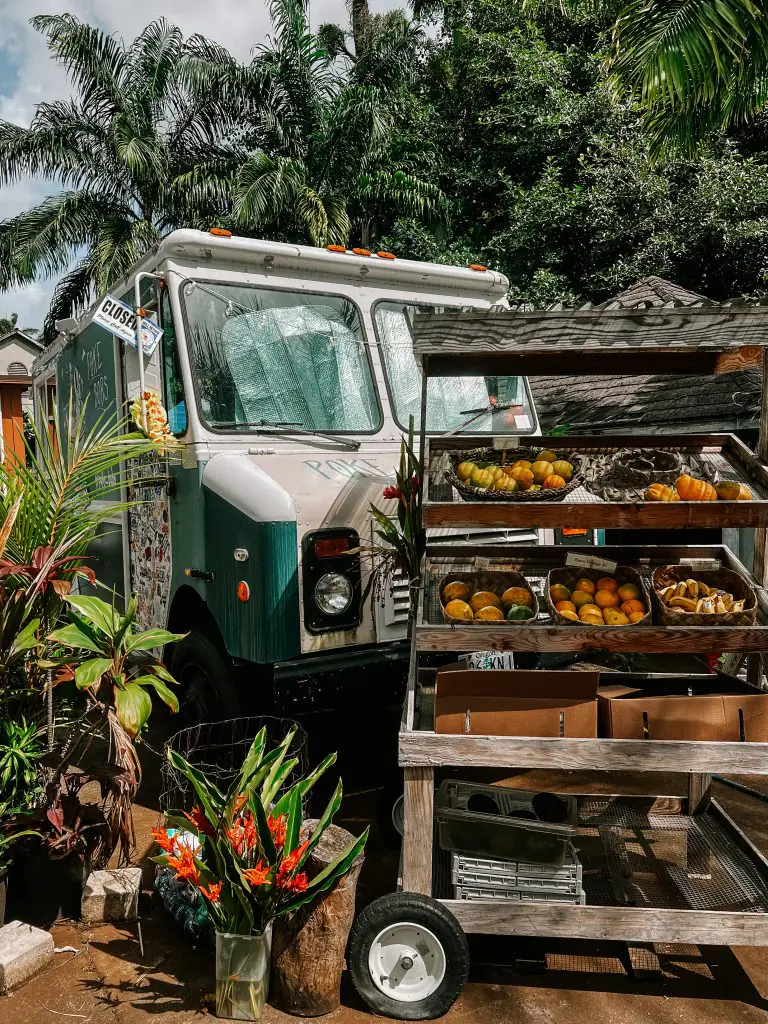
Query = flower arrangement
x=247 y=857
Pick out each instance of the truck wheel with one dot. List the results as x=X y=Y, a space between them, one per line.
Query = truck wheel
x=408 y=957
x=206 y=679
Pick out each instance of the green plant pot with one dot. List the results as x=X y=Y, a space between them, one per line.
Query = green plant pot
x=242 y=974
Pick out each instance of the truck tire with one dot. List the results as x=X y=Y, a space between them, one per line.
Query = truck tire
x=408 y=957
x=206 y=680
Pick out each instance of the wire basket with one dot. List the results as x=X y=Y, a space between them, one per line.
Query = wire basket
x=218 y=749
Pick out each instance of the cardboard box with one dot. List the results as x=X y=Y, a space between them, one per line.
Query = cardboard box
x=720 y=708
x=515 y=703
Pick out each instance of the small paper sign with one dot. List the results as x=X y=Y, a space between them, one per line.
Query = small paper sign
x=701 y=563
x=590 y=562
x=482 y=563
x=522 y=422
x=501 y=444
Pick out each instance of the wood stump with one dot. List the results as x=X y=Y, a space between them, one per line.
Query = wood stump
x=308 y=946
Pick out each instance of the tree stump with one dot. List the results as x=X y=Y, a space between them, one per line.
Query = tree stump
x=308 y=946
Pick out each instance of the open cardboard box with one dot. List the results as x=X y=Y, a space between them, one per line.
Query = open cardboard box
x=515 y=703
x=717 y=708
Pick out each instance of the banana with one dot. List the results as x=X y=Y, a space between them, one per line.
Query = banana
x=738 y=606
x=693 y=588
x=683 y=602
x=667 y=593
x=706 y=606
x=704 y=589
x=720 y=608
x=680 y=591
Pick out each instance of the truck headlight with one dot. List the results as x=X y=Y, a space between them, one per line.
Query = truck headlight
x=333 y=593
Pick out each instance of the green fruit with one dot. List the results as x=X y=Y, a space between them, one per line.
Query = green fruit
x=519 y=613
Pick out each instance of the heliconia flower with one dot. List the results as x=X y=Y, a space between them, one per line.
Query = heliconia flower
x=415 y=483
x=298 y=883
x=392 y=492
x=200 y=821
x=277 y=829
x=290 y=863
x=240 y=802
x=258 y=875
x=184 y=865
x=163 y=840
x=236 y=838
x=250 y=832
x=213 y=892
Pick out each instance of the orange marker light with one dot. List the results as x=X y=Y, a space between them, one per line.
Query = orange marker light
x=220 y=232
x=477 y=266
x=243 y=591
x=362 y=252
x=335 y=248
x=328 y=547
x=386 y=255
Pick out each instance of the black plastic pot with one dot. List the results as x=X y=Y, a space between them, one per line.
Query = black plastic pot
x=42 y=890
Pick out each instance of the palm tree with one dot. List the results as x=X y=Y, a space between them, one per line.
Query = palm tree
x=323 y=168
x=136 y=124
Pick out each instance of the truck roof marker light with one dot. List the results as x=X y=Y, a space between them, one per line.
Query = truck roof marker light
x=384 y=255
x=336 y=248
x=220 y=232
x=243 y=592
x=362 y=252
x=478 y=267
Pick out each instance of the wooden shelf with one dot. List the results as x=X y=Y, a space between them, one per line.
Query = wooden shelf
x=723 y=454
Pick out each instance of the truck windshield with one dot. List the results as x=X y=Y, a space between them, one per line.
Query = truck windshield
x=451 y=401
x=261 y=354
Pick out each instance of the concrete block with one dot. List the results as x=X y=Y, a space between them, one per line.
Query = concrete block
x=111 y=896
x=23 y=951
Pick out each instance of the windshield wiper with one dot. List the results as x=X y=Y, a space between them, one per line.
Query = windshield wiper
x=476 y=414
x=292 y=428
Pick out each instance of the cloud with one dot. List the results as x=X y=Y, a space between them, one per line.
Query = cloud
x=28 y=75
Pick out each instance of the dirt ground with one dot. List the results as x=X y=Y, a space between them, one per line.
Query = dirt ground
x=104 y=979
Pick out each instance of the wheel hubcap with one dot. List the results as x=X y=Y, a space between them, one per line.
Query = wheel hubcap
x=407 y=962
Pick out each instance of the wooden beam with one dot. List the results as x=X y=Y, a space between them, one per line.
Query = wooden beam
x=418 y=826
x=699 y=792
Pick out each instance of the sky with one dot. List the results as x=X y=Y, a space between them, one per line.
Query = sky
x=29 y=76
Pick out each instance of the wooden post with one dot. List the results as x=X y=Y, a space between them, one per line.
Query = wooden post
x=308 y=946
x=699 y=792
x=419 y=796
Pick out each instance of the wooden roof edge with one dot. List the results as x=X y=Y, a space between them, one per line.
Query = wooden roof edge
x=589 y=312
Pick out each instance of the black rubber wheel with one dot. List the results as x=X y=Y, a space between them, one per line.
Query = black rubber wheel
x=206 y=680
x=413 y=933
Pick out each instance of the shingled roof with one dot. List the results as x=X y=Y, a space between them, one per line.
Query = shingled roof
x=650 y=404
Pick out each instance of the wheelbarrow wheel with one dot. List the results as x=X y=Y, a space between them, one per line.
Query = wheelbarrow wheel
x=408 y=957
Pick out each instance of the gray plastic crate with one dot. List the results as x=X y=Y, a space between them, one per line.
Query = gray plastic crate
x=490 y=875
x=470 y=892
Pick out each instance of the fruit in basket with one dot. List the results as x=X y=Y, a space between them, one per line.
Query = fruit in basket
x=464 y=470
x=459 y=610
x=636 y=616
x=546 y=456
x=570 y=615
x=519 y=613
x=607 y=599
x=565 y=606
x=632 y=606
x=553 y=482
x=607 y=583
x=482 y=478
x=522 y=464
x=541 y=470
x=691 y=489
x=586 y=585
x=559 y=592
x=629 y=592
x=695 y=596
x=535 y=487
x=592 y=618
x=732 y=490
x=456 y=591
x=563 y=468
x=661 y=492
x=516 y=595
x=590 y=609
x=615 y=617
x=489 y=614
x=523 y=476
x=580 y=598
x=504 y=484
x=482 y=598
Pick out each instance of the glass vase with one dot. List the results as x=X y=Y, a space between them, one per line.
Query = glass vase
x=242 y=974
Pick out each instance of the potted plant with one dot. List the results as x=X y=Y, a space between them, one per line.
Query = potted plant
x=245 y=852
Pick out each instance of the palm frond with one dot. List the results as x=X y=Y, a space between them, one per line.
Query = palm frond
x=94 y=60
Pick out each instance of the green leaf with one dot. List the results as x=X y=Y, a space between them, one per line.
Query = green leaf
x=26 y=639
x=211 y=798
x=306 y=784
x=97 y=612
x=150 y=639
x=71 y=636
x=167 y=696
x=327 y=877
x=327 y=817
x=158 y=668
x=293 y=816
x=265 y=836
x=134 y=706
x=88 y=673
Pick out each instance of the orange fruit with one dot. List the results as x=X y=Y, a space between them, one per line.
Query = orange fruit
x=541 y=470
x=629 y=592
x=523 y=476
x=636 y=616
x=464 y=470
x=570 y=615
x=590 y=609
x=607 y=599
x=522 y=464
x=456 y=591
x=586 y=585
x=615 y=617
x=633 y=606
x=592 y=619
x=559 y=592
x=566 y=606
x=554 y=482
x=489 y=613
x=459 y=610
x=482 y=598
x=516 y=595
x=607 y=583
x=580 y=598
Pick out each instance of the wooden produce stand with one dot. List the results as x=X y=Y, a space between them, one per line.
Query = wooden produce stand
x=722 y=894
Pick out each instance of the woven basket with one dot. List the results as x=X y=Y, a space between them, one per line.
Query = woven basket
x=492 y=456
x=570 y=576
x=488 y=579
x=723 y=579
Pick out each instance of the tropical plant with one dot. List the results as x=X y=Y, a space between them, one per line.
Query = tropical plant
x=249 y=853
x=116 y=150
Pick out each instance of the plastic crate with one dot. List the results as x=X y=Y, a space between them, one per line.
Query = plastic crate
x=505 y=824
x=476 y=871
x=471 y=892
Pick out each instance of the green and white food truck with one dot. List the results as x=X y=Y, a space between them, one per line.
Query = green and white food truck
x=288 y=378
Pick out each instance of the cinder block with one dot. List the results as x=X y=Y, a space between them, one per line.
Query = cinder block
x=111 y=896
x=23 y=951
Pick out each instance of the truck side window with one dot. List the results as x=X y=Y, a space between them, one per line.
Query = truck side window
x=173 y=387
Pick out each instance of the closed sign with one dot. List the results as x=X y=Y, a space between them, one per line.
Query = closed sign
x=118 y=318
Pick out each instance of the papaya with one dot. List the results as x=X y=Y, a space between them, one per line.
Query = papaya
x=519 y=613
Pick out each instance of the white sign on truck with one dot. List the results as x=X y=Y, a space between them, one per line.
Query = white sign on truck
x=118 y=318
